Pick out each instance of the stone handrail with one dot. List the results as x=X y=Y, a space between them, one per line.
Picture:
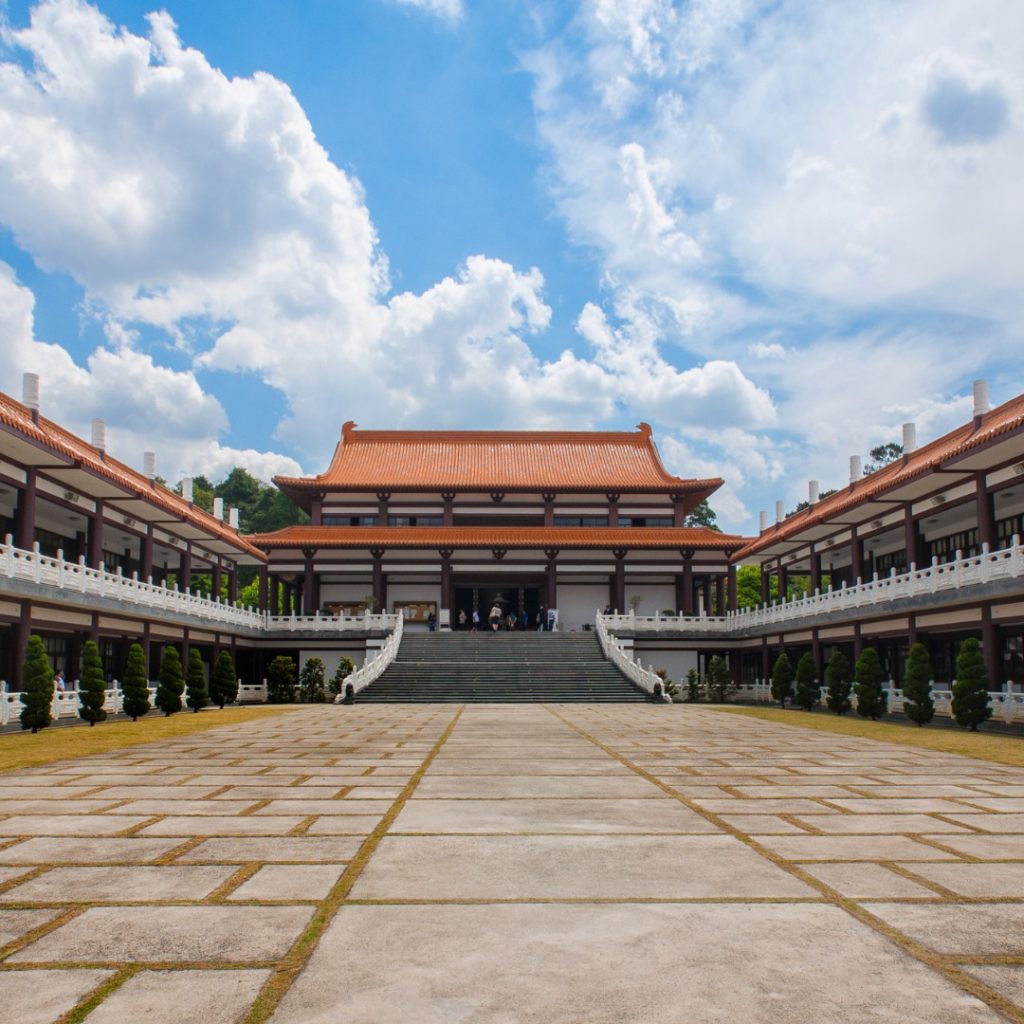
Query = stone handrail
x=988 y=567
x=373 y=668
x=646 y=679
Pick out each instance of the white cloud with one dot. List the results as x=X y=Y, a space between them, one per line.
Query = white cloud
x=451 y=9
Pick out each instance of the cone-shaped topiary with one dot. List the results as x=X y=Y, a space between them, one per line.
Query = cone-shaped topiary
x=872 y=700
x=971 y=704
x=718 y=680
x=341 y=673
x=312 y=683
x=837 y=679
x=171 y=682
x=92 y=686
x=135 y=685
x=918 y=705
x=224 y=682
x=782 y=679
x=806 y=695
x=196 y=696
x=281 y=681
x=36 y=686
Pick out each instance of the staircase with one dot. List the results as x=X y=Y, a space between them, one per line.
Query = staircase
x=500 y=667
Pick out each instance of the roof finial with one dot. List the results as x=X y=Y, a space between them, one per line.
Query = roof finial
x=645 y=429
x=347 y=429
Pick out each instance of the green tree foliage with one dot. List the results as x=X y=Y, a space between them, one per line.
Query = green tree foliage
x=971 y=704
x=882 y=456
x=281 y=681
x=872 y=700
x=703 y=515
x=801 y=505
x=171 y=682
x=36 y=686
x=782 y=679
x=806 y=695
x=135 y=685
x=197 y=696
x=345 y=668
x=718 y=680
x=837 y=679
x=92 y=686
x=312 y=684
x=224 y=681
x=918 y=705
x=748 y=586
x=693 y=694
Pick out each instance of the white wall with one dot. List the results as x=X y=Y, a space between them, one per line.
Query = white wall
x=675 y=663
x=345 y=593
x=579 y=602
x=654 y=597
x=332 y=659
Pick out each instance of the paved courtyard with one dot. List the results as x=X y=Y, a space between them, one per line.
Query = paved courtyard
x=412 y=865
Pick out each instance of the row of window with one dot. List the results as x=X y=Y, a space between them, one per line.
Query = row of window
x=493 y=520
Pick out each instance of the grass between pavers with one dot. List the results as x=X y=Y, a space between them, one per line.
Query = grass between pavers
x=28 y=750
x=983 y=746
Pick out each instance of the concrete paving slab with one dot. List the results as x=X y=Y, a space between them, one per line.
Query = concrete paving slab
x=988 y=881
x=290 y=882
x=738 y=805
x=551 y=815
x=608 y=965
x=862 y=881
x=46 y=850
x=169 y=997
x=40 y=997
x=526 y=786
x=763 y=825
x=67 y=825
x=1007 y=980
x=987 y=847
x=892 y=824
x=288 y=849
x=155 y=793
x=1008 y=823
x=81 y=805
x=119 y=884
x=974 y=929
x=800 y=848
x=577 y=867
x=199 y=825
x=280 y=793
x=344 y=824
x=165 y=934
x=15 y=923
x=149 y=808
x=902 y=805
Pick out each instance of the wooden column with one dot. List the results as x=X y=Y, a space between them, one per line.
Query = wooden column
x=766 y=583
x=819 y=668
x=22 y=629
x=216 y=580
x=261 y=594
x=990 y=649
x=147 y=644
x=308 y=582
x=448 y=517
x=446 y=582
x=766 y=670
x=706 y=584
x=856 y=557
x=911 y=539
x=858 y=643
x=678 y=509
x=551 y=578
x=719 y=594
x=686 y=604
x=986 y=512
x=233 y=585
x=377 y=554
x=25 y=519
x=783 y=581
x=815 y=571
x=185 y=569
x=733 y=594
x=619 y=602
x=613 y=510
x=549 y=508
x=383 y=497
x=146 y=561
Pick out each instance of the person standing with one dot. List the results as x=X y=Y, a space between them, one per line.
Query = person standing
x=58 y=681
x=476 y=620
x=462 y=618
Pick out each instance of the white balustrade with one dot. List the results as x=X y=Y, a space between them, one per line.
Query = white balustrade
x=938 y=578
x=646 y=678
x=374 y=667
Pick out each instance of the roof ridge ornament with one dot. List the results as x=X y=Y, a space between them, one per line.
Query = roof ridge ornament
x=645 y=429
x=347 y=430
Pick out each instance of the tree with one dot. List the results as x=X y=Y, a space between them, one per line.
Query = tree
x=198 y=696
x=311 y=682
x=718 y=680
x=782 y=679
x=92 y=687
x=806 y=682
x=37 y=686
x=171 y=682
x=882 y=456
x=135 y=685
x=918 y=705
x=872 y=700
x=224 y=682
x=345 y=668
x=693 y=686
x=281 y=681
x=748 y=586
x=837 y=679
x=971 y=704
x=703 y=515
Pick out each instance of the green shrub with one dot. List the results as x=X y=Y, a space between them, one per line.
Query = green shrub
x=782 y=679
x=92 y=686
x=693 y=693
x=718 y=680
x=918 y=705
x=872 y=700
x=36 y=686
x=837 y=679
x=281 y=681
x=224 y=681
x=345 y=668
x=135 y=685
x=197 y=697
x=971 y=704
x=312 y=687
x=171 y=682
x=806 y=695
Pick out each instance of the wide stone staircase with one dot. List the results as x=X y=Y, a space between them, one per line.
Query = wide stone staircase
x=500 y=667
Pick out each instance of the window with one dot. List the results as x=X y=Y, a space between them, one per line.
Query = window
x=945 y=548
x=646 y=521
x=415 y=520
x=50 y=543
x=1007 y=528
x=581 y=520
x=337 y=520
x=894 y=560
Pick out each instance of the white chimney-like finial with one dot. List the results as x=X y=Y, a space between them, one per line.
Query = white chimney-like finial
x=981 y=405
x=909 y=438
x=218 y=508
x=149 y=465
x=780 y=511
x=812 y=491
x=30 y=391
x=763 y=520
x=233 y=518
x=186 y=488
x=99 y=436
x=855 y=471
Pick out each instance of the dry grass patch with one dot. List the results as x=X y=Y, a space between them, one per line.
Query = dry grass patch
x=984 y=746
x=25 y=750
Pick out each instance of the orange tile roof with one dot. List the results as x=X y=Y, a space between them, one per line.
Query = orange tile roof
x=500 y=460
x=538 y=537
x=1002 y=420
x=56 y=438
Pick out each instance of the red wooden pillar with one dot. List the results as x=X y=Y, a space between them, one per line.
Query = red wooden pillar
x=25 y=519
x=308 y=582
x=986 y=512
x=551 y=577
x=733 y=595
x=446 y=579
x=379 y=595
x=990 y=649
x=686 y=603
x=619 y=602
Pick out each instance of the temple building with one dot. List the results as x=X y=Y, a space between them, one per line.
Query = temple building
x=445 y=523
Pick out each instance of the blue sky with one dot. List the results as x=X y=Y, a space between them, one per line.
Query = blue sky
x=775 y=230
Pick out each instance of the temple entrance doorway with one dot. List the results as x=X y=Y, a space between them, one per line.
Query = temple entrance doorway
x=508 y=596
